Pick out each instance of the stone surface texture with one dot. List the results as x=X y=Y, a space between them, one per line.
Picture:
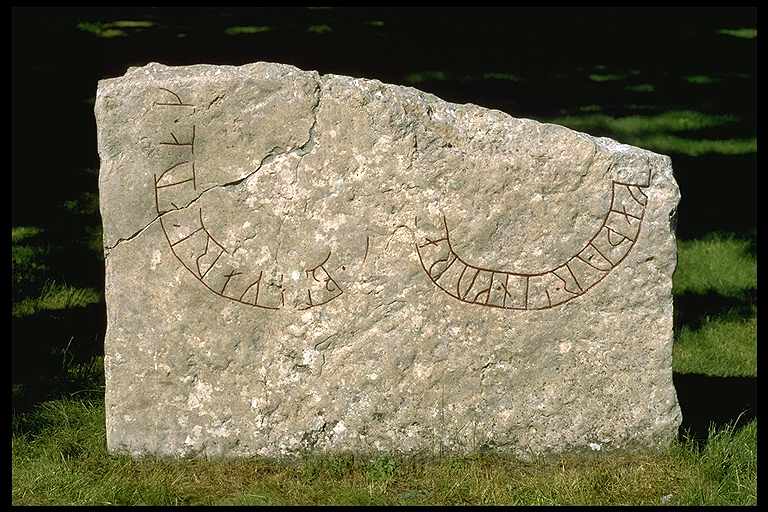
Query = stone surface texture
x=297 y=262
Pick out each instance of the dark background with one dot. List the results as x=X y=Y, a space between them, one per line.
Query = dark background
x=450 y=52
x=56 y=67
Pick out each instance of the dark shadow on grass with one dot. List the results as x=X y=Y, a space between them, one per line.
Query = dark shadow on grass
x=752 y=247
x=718 y=401
x=692 y=310
x=46 y=344
x=718 y=193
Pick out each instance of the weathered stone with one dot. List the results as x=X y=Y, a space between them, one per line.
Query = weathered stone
x=296 y=261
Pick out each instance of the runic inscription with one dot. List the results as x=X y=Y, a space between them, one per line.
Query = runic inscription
x=543 y=290
x=326 y=288
x=199 y=252
x=216 y=268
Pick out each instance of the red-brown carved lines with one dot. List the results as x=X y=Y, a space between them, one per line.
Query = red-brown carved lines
x=195 y=247
x=226 y=275
x=543 y=290
x=198 y=250
x=323 y=288
x=176 y=186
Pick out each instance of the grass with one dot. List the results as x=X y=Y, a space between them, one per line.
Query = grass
x=720 y=273
x=700 y=79
x=741 y=33
x=425 y=76
x=113 y=29
x=722 y=346
x=598 y=77
x=59 y=458
x=28 y=255
x=671 y=121
x=54 y=296
x=640 y=88
x=34 y=288
x=720 y=262
x=21 y=233
x=655 y=132
x=694 y=147
x=249 y=29
x=319 y=29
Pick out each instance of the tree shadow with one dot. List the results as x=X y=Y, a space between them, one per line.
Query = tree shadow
x=714 y=401
x=46 y=344
x=692 y=310
x=712 y=201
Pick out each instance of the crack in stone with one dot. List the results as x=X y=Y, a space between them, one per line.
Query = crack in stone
x=306 y=148
x=325 y=343
x=273 y=153
x=269 y=157
x=108 y=248
x=215 y=100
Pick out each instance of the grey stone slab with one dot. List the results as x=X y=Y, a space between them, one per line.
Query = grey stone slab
x=301 y=262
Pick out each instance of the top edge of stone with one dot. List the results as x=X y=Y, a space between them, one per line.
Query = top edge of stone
x=153 y=68
x=280 y=70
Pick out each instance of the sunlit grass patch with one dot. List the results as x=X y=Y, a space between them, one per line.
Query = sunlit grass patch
x=20 y=233
x=423 y=76
x=49 y=443
x=112 y=29
x=131 y=24
x=100 y=30
x=742 y=33
x=247 y=29
x=696 y=147
x=606 y=77
x=319 y=29
x=718 y=262
x=672 y=121
x=54 y=296
x=640 y=88
x=701 y=79
x=653 y=131
x=726 y=347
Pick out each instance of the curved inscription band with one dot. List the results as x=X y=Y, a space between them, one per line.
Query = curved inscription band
x=211 y=264
x=194 y=246
x=217 y=269
x=543 y=290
